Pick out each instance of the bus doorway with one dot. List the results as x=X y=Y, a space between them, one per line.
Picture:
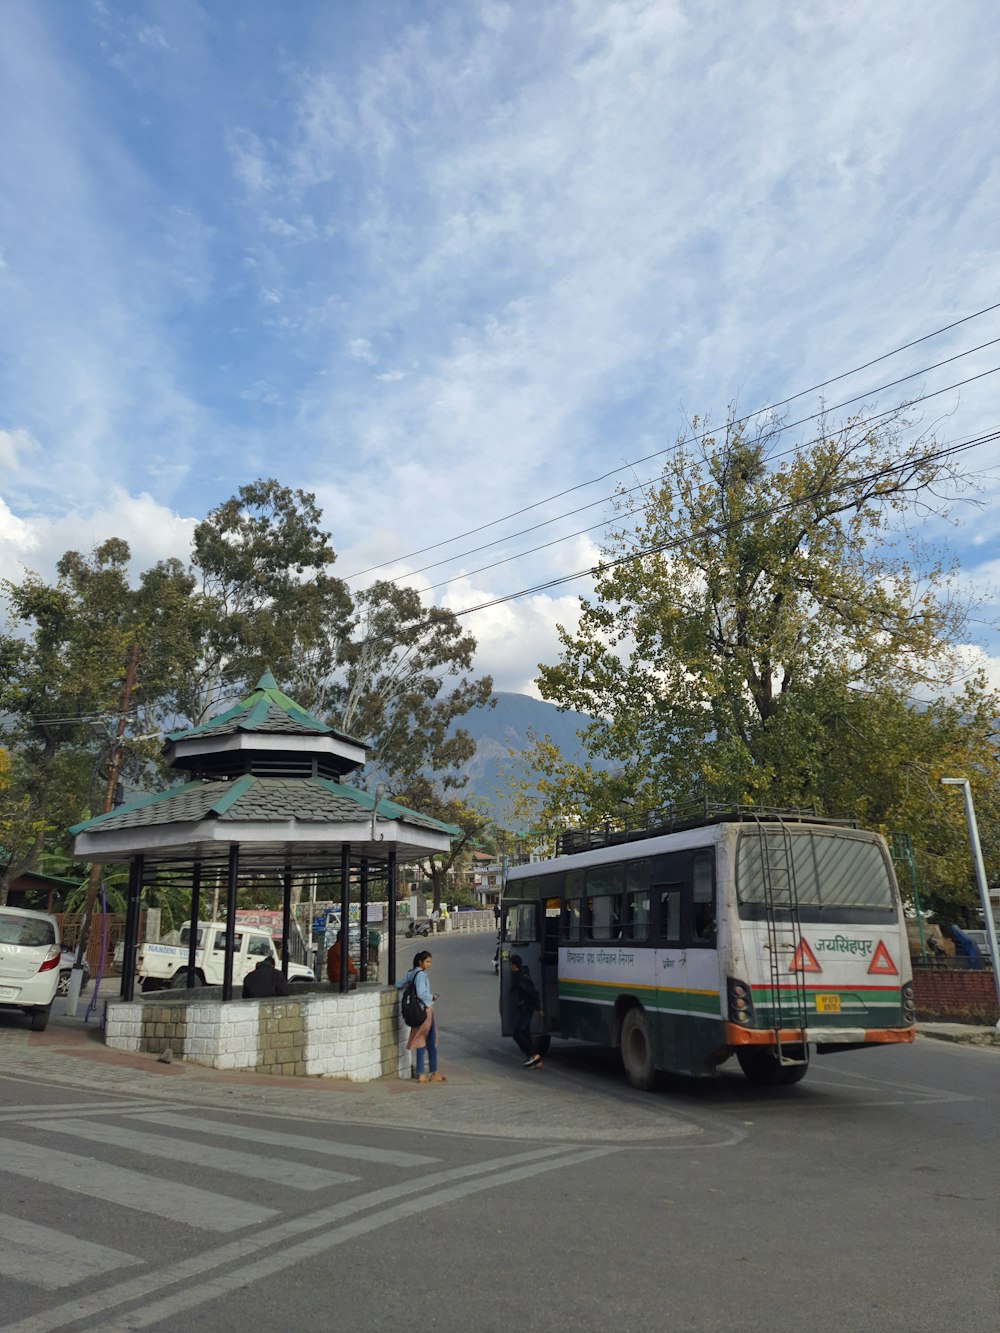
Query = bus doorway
x=520 y=934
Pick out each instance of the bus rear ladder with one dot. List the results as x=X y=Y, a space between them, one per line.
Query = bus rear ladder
x=784 y=938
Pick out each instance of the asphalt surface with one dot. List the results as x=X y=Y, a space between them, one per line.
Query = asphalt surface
x=487 y=1092
x=153 y=1195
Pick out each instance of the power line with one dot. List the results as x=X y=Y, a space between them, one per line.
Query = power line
x=720 y=529
x=689 y=440
x=581 y=532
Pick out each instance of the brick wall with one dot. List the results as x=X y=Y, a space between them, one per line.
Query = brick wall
x=955 y=995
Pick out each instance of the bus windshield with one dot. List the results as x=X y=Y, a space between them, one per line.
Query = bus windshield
x=831 y=871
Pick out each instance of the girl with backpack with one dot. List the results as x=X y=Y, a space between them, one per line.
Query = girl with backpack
x=423 y=1037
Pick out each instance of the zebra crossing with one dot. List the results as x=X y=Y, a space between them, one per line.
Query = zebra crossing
x=186 y=1242
x=72 y=1148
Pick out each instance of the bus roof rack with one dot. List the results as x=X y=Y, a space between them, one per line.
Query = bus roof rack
x=687 y=815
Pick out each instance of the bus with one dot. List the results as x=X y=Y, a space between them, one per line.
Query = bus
x=759 y=934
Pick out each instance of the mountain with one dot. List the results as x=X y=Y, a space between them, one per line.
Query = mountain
x=505 y=727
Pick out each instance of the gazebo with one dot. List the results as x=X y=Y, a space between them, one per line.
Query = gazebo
x=264 y=804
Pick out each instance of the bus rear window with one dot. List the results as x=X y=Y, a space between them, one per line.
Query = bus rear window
x=831 y=871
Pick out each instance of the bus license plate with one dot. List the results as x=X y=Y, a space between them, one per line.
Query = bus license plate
x=828 y=1004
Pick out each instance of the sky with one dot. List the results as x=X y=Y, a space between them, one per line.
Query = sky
x=440 y=262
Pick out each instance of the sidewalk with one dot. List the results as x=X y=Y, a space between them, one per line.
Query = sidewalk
x=481 y=1097
x=966 y=1033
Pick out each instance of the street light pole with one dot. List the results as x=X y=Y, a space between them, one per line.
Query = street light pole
x=984 y=892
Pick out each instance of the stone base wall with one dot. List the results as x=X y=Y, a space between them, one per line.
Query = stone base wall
x=358 y=1036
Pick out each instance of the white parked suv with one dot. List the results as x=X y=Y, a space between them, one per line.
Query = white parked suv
x=29 y=963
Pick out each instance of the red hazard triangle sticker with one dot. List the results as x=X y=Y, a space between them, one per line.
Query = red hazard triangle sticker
x=804 y=959
x=882 y=964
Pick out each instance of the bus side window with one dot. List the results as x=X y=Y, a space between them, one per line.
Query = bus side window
x=604 y=895
x=670 y=896
x=636 y=919
x=572 y=918
x=703 y=918
x=604 y=918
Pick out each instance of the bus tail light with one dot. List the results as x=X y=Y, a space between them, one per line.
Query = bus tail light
x=740 y=1002
x=909 y=1003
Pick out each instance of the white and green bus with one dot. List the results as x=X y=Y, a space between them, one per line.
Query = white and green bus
x=759 y=934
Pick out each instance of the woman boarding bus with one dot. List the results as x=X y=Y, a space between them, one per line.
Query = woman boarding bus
x=747 y=933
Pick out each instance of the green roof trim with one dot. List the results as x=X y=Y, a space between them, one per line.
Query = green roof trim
x=140 y=802
x=307 y=802
x=251 y=714
x=386 y=809
x=236 y=790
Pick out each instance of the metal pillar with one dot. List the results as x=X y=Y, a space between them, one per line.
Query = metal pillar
x=234 y=870
x=345 y=913
x=286 y=918
x=363 y=919
x=193 y=931
x=984 y=890
x=391 y=931
x=131 y=926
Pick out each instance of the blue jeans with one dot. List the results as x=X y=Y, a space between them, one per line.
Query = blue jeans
x=431 y=1052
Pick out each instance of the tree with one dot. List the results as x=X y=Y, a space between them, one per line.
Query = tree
x=419 y=793
x=20 y=825
x=378 y=666
x=62 y=678
x=395 y=690
x=265 y=564
x=758 y=621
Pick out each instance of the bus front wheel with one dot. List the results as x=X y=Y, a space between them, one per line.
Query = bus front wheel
x=637 y=1050
x=760 y=1064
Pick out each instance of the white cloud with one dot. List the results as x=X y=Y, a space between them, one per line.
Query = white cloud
x=152 y=531
x=559 y=228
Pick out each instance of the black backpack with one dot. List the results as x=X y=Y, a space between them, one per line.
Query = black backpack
x=411 y=1006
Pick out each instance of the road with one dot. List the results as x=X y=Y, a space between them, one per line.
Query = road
x=135 y=1195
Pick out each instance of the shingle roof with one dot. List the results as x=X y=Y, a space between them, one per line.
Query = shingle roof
x=257 y=800
x=267 y=709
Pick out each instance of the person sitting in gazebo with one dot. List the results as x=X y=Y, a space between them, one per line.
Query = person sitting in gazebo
x=333 y=963
x=264 y=982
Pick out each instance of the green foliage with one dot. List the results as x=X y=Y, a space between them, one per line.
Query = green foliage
x=766 y=647
x=265 y=568
x=407 y=679
x=419 y=793
x=261 y=594
x=62 y=684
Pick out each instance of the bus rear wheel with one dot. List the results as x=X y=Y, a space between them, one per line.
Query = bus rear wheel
x=760 y=1065
x=637 y=1050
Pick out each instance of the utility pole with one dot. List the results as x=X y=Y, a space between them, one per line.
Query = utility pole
x=94 y=876
x=984 y=891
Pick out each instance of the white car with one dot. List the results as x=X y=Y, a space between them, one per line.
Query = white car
x=29 y=963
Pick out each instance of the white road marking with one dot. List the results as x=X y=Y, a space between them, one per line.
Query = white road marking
x=168 y=1307
x=35 y=1113
x=51 y=1259
x=355 y=1151
x=292 y=1175
x=194 y=1207
x=497 y=1172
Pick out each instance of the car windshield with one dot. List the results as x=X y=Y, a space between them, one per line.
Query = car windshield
x=26 y=930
